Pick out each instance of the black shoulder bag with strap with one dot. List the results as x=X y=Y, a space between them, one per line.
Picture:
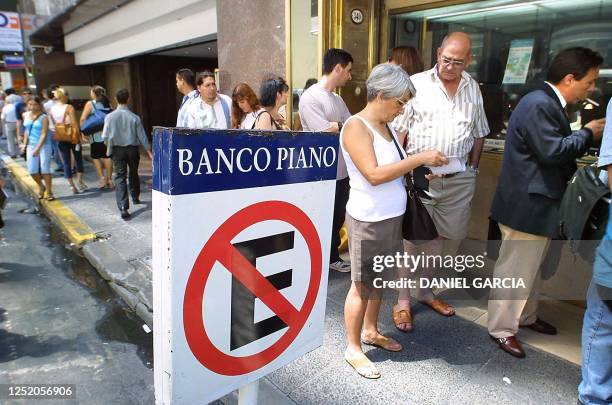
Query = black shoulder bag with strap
x=583 y=214
x=417 y=225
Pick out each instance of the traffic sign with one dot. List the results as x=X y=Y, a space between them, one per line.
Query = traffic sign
x=241 y=230
x=219 y=248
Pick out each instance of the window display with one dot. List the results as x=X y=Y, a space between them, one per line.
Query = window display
x=513 y=43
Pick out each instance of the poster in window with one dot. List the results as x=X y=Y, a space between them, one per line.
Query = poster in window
x=519 y=58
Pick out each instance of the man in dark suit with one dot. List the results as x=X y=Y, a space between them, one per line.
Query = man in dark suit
x=539 y=159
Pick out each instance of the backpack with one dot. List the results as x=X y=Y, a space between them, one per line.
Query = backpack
x=584 y=211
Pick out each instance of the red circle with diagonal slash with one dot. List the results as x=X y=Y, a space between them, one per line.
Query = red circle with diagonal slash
x=219 y=248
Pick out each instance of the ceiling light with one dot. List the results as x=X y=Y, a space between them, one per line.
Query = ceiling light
x=480 y=10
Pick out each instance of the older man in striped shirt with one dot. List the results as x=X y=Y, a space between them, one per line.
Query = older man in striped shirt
x=447 y=114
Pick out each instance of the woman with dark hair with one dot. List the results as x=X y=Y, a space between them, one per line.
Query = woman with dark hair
x=407 y=58
x=38 y=147
x=102 y=163
x=272 y=95
x=245 y=107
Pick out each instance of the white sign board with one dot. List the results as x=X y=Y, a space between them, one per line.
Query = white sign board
x=241 y=236
x=10 y=32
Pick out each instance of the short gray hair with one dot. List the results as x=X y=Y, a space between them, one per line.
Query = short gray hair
x=390 y=80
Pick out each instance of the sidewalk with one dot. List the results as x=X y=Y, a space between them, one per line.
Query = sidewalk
x=445 y=360
x=120 y=250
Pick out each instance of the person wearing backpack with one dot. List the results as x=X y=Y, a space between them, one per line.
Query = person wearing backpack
x=102 y=162
x=64 y=114
x=212 y=110
x=596 y=385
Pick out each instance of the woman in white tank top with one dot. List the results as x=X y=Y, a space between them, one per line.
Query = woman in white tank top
x=62 y=112
x=377 y=201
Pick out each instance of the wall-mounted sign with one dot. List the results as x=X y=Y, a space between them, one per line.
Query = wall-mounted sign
x=13 y=62
x=519 y=58
x=357 y=16
x=10 y=32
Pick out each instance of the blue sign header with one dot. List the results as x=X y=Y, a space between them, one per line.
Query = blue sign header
x=188 y=161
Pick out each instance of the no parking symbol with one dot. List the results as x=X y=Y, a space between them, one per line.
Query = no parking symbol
x=249 y=283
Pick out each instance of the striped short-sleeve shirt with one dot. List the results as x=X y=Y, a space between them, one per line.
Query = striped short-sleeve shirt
x=433 y=120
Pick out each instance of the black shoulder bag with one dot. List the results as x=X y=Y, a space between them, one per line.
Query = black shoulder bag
x=583 y=213
x=417 y=225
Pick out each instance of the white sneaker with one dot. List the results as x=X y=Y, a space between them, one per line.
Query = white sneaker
x=341 y=266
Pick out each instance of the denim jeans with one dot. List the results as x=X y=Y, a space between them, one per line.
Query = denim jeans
x=67 y=150
x=56 y=152
x=596 y=385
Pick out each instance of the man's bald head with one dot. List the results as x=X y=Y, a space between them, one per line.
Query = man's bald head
x=459 y=40
x=454 y=56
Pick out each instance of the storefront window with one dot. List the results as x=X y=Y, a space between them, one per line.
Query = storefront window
x=513 y=44
x=304 y=50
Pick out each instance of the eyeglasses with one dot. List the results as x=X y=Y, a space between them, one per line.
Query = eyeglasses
x=454 y=62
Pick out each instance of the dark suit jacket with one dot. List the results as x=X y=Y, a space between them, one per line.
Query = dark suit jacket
x=539 y=159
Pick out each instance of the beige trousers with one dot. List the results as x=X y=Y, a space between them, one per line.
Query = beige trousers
x=520 y=256
x=450 y=206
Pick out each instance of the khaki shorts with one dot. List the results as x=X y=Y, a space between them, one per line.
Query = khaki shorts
x=381 y=238
x=450 y=206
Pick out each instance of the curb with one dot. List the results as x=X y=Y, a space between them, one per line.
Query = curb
x=76 y=230
x=116 y=271
x=100 y=255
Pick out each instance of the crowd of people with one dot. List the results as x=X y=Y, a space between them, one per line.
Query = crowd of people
x=416 y=118
x=413 y=118
x=43 y=130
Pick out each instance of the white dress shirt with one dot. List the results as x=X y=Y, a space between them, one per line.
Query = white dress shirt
x=436 y=121
x=181 y=118
x=203 y=115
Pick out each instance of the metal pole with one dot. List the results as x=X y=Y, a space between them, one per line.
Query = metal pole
x=247 y=395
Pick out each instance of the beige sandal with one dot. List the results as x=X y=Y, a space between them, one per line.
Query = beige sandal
x=384 y=343
x=364 y=367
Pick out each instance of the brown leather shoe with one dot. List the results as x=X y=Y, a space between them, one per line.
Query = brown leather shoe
x=541 y=327
x=510 y=345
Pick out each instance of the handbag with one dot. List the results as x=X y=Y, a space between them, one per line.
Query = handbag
x=417 y=225
x=583 y=213
x=65 y=132
x=95 y=121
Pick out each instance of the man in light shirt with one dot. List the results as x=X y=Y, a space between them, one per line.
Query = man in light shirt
x=212 y=109
x=321 y=110
x=595 y=387
x=123 y=133
x=186 y=85
x=448 y=115
x=9 y=118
